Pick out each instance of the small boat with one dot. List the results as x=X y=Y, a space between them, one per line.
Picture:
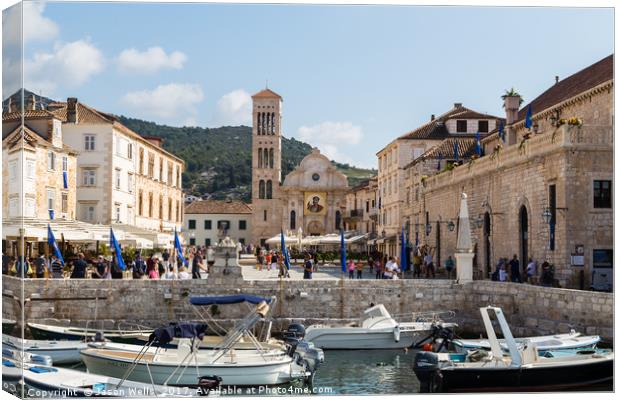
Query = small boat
x=185 y=363
x=376 y=330
x=54 y=332
x=16 y=354
x=47 y=381
x=522 y=369
x=60 y=351
x=8 y=325
x=572 y=340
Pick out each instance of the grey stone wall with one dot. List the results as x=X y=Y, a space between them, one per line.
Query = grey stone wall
x=532 y=310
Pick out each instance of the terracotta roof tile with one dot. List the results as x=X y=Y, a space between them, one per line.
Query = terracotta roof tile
x=466 y=148
x=28 y=114
x=218 y=207
x=589 y=77
x=267 y=93
x=436 y=129
x=85 y=114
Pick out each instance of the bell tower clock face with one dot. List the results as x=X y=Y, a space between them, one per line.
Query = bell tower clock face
x=316 y=177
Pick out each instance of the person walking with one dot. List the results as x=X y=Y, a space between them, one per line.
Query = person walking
x=170 y=275
x=40 y=266
x=359 y=267
x=79 y=268
x=152 y=271
x=268 y=260
x=449 y=265
x=307 y=267
x=530 y=271
x=351 y=268
x=56 y=266
x=515 y=274
x=166 y=257
x=502 y=274
x=274 y=261
x=197 y=265
x=417 y=263
x=428 y=264
x=139 y=268
x=315 y=261
x=378 y=270
x=100 y=268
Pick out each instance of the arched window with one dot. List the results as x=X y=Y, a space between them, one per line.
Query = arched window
x=260 y=158
x=270 y=158
x=273 y=123
x=293 y=216
x=265 y=158
x=261 y=189
x=258 y=132
x=338 y=220
x=269 y=189
x=263 y=123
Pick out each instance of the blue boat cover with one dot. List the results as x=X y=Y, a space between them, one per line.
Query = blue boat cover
x=238 y=298
x=42 y=370
x=8 y=363
x=189 y=330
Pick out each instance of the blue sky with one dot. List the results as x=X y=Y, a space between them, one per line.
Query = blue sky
x=352 y=77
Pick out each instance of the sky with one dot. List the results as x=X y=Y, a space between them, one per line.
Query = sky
x=353 y=78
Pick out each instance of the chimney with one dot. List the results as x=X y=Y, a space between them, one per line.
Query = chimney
x=72 y=110
x=432 y=117
x=511 y=105
x=557 y=79
x=458 y=105
x=31 y=103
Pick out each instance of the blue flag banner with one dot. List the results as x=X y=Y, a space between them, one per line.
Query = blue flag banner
x=478 y=147
x=179 y=249
x=287 y=259
x=343 y=253
x=65 y=180
x=456 y=150
x=528 y=117
x=502 y=134
x=403 y=251
x=117 y=251
x=51 y=240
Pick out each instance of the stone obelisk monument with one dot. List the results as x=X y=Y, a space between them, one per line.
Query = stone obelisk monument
x=464 y=249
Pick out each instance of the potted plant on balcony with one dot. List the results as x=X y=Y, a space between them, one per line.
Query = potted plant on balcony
x=512 y=99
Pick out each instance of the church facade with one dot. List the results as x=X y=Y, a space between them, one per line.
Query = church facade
x=311 y=198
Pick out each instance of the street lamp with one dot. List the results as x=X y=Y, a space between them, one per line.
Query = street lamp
x=428 y=228
x=548 y=219
x=451 y=226
x=383 y=233
x=478 y=221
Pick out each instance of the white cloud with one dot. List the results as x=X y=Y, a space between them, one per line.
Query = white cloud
x=151 y=60
x=332 y=138
x=36 y=26
x=165 y=101
x=69 y=65
x=234 y=108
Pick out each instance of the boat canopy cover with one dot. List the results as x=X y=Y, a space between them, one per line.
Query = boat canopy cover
x=189 y=330
x=239 y=298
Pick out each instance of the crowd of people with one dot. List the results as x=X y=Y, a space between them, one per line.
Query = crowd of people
x=511 y=270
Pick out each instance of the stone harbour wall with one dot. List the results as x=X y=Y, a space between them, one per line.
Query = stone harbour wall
x=532 y=310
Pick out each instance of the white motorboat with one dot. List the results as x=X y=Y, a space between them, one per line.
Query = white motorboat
x=17 y=354
x=60 y=351
x=55 y=332
x=521 y=369
x=187 y=362
x=565 y=341
x=377 y=330
x=46 y=381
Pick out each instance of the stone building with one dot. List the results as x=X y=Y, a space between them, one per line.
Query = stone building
x=123 y=178
x=312 y=197
x=459 y=122
x=38 y=168
x=209 y=221
x=361 y=208
x=543 y=192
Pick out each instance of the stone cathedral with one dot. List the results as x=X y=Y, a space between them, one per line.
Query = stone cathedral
x=310 y=198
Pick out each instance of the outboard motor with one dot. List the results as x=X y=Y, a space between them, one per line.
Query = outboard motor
x=425 y=366
x=208 y=383
x=293 y=335
x=99 y=337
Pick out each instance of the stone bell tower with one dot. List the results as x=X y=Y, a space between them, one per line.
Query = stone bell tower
x=266 y=165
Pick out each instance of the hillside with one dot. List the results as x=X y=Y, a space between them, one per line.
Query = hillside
x=219 y=160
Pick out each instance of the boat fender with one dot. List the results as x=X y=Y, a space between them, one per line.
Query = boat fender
x=396 y=334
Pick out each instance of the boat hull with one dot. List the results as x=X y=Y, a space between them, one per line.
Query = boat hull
x=40 y=333
x=232 y=374
x=526 y=379
x=360 y=339
x=61 y=352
